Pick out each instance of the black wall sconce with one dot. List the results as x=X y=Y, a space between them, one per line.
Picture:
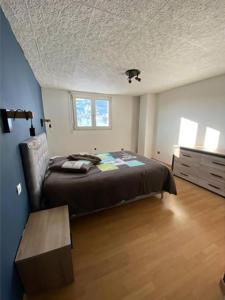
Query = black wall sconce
x=43 y=121
x=8 y=116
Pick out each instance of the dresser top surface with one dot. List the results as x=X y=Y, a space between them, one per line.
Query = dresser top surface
x=201 y=149
x=45 y=231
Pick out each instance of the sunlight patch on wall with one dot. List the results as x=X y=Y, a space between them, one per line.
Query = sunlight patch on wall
x=211 y=138
x=188 y=133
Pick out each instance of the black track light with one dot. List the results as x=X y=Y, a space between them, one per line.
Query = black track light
x=133 y=73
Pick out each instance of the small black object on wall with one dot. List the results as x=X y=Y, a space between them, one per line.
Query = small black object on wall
x=7 y=116
x=6 y=123
x=43 y=121
x=32 y=129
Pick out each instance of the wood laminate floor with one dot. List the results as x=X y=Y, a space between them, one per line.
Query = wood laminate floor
x=151 y=249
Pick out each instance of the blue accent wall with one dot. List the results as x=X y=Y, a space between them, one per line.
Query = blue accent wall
x=18 y=90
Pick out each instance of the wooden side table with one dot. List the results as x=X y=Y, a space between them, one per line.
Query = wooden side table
x=44 y=257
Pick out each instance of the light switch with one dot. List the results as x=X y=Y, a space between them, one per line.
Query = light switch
x=19 y=189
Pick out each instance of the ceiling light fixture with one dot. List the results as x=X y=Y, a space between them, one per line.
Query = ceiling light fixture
x=133 y=73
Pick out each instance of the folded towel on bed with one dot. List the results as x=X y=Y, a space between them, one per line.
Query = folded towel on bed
x=65 y=165
x=92 y=158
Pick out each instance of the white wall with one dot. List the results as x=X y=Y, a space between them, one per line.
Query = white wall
x=202 y=102
x=64 y=140
x=146 y=133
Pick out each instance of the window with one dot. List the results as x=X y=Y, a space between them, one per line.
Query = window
x=92 y=112
x=83 y=112
x=102 y=113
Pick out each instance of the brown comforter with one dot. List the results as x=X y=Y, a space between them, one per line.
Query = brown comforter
x=96 y=190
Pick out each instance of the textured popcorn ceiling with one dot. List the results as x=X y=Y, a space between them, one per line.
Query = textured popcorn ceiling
x=88 y=45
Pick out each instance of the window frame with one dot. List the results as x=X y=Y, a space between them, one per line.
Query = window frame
x=93 y=98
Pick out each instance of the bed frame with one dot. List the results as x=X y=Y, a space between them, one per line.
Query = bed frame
x=35 y=157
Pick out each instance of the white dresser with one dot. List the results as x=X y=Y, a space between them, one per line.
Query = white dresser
x=204 y=168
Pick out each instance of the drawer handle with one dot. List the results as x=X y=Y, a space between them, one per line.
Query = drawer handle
x=185 y=165
x=216 y=187
x=217 y=163
x=186 y=155
x=216 y=175
x=183 y=174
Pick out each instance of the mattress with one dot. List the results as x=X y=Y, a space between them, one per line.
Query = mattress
x=107 y=184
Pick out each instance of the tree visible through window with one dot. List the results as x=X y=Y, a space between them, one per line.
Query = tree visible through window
x=83 y=112
x=102 y=112
x=92 y=113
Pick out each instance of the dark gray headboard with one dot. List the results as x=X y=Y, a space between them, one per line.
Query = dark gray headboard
x=35 y=158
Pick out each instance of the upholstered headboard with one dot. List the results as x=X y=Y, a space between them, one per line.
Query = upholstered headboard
x=35 y=159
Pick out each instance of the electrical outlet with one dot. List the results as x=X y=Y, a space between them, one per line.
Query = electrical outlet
x=19 y=189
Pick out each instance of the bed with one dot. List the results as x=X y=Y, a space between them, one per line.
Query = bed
x=136 y=178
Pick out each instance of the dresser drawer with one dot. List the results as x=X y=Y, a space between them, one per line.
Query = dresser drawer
x=186 y=167
x=185 y=175
x=213 y=186
x=213 y=161
x=210 y=173
x=190 y=156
